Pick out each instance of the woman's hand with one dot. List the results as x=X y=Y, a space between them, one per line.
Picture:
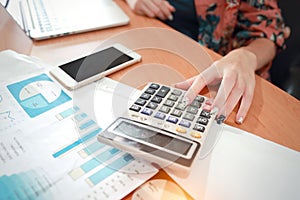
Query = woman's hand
x=236 y=72
x=161 y=9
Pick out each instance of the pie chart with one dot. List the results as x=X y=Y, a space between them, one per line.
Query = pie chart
x=38 y=94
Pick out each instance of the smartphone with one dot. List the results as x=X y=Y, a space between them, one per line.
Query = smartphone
x=87 y=69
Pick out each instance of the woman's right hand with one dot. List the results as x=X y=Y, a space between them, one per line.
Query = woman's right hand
x=161 y=9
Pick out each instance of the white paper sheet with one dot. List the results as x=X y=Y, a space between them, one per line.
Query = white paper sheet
x=48 y=144
x=244 y=166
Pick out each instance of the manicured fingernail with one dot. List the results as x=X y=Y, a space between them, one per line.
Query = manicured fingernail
x=240 y=120
x=170 y=17
x=221 y=119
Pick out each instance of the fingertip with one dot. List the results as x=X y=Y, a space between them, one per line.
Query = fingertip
x=182 y=85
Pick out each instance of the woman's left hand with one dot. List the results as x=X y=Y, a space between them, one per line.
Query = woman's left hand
x=236 y=72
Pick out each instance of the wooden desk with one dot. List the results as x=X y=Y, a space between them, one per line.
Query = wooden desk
x=274 y=114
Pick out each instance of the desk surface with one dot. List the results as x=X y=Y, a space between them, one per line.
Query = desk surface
x=274 y=114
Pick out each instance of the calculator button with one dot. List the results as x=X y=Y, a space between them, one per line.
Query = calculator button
x=165 y=109
x=196 y=104
x=208 y=102
x=163 y=91
x=145 y=96
x=207 y=107
x=189 y=116
x=185 y=123
x=200 y=99
x=160 y=115
x=180 y=106
x=150 y=91
x=140 y=102
x=180 y=130
x=169 y=103
x=135 y=108
x=205 y=113
x=192 y=110
x=202 y=120
x=176 y=92
x=156 y=99
x=199 y=128
x=147 y=111
x=152 y=105
x=196 y=134
x=173 y=120
x=173 y=97
x=154 y=86
x=176 y=113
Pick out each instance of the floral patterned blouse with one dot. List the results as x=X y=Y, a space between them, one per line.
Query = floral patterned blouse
x=224 y=25
x=228 y=24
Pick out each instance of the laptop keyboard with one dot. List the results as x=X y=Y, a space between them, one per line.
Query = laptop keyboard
x=42 y=16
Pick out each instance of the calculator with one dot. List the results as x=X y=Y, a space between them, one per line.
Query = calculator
x=158 y=126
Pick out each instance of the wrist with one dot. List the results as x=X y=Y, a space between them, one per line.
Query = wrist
x=250 y=57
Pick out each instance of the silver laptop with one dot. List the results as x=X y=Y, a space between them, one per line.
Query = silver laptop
x=44 y=19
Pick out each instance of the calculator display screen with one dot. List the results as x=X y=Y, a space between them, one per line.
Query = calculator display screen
x=153 y=137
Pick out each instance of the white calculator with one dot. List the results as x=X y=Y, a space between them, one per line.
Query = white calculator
x=160 y=128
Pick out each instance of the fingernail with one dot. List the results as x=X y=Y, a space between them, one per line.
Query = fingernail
x=240 y=120
x=221 y=119
x=170 y=17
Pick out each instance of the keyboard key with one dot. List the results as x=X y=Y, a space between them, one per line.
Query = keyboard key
x=152 y=105
x=160 y=115
x=154 y=86
x=196 y=104
x=169 y=103
x=145 y=96
x=135 y=108
x=185 y=123
x=163 y=91
x=140 y=102
x=180 y=106
x=202 y=120
x=147 y=111
x=205 y=113
x=199 y=128
x=192 y=110
x=176 y=113
x=176 y=92
x=150 y=91
x=165 y=109
x=189 y=116
x=156 y=99
x=173 y=97
x=173 y=120
x=199 y=98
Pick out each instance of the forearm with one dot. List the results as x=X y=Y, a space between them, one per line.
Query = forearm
x=263 y=49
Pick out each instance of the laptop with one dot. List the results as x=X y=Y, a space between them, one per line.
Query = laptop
x=43 y=19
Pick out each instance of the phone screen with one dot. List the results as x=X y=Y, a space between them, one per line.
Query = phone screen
x=96 y=63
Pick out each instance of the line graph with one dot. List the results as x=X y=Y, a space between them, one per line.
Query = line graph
x=10 y=113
